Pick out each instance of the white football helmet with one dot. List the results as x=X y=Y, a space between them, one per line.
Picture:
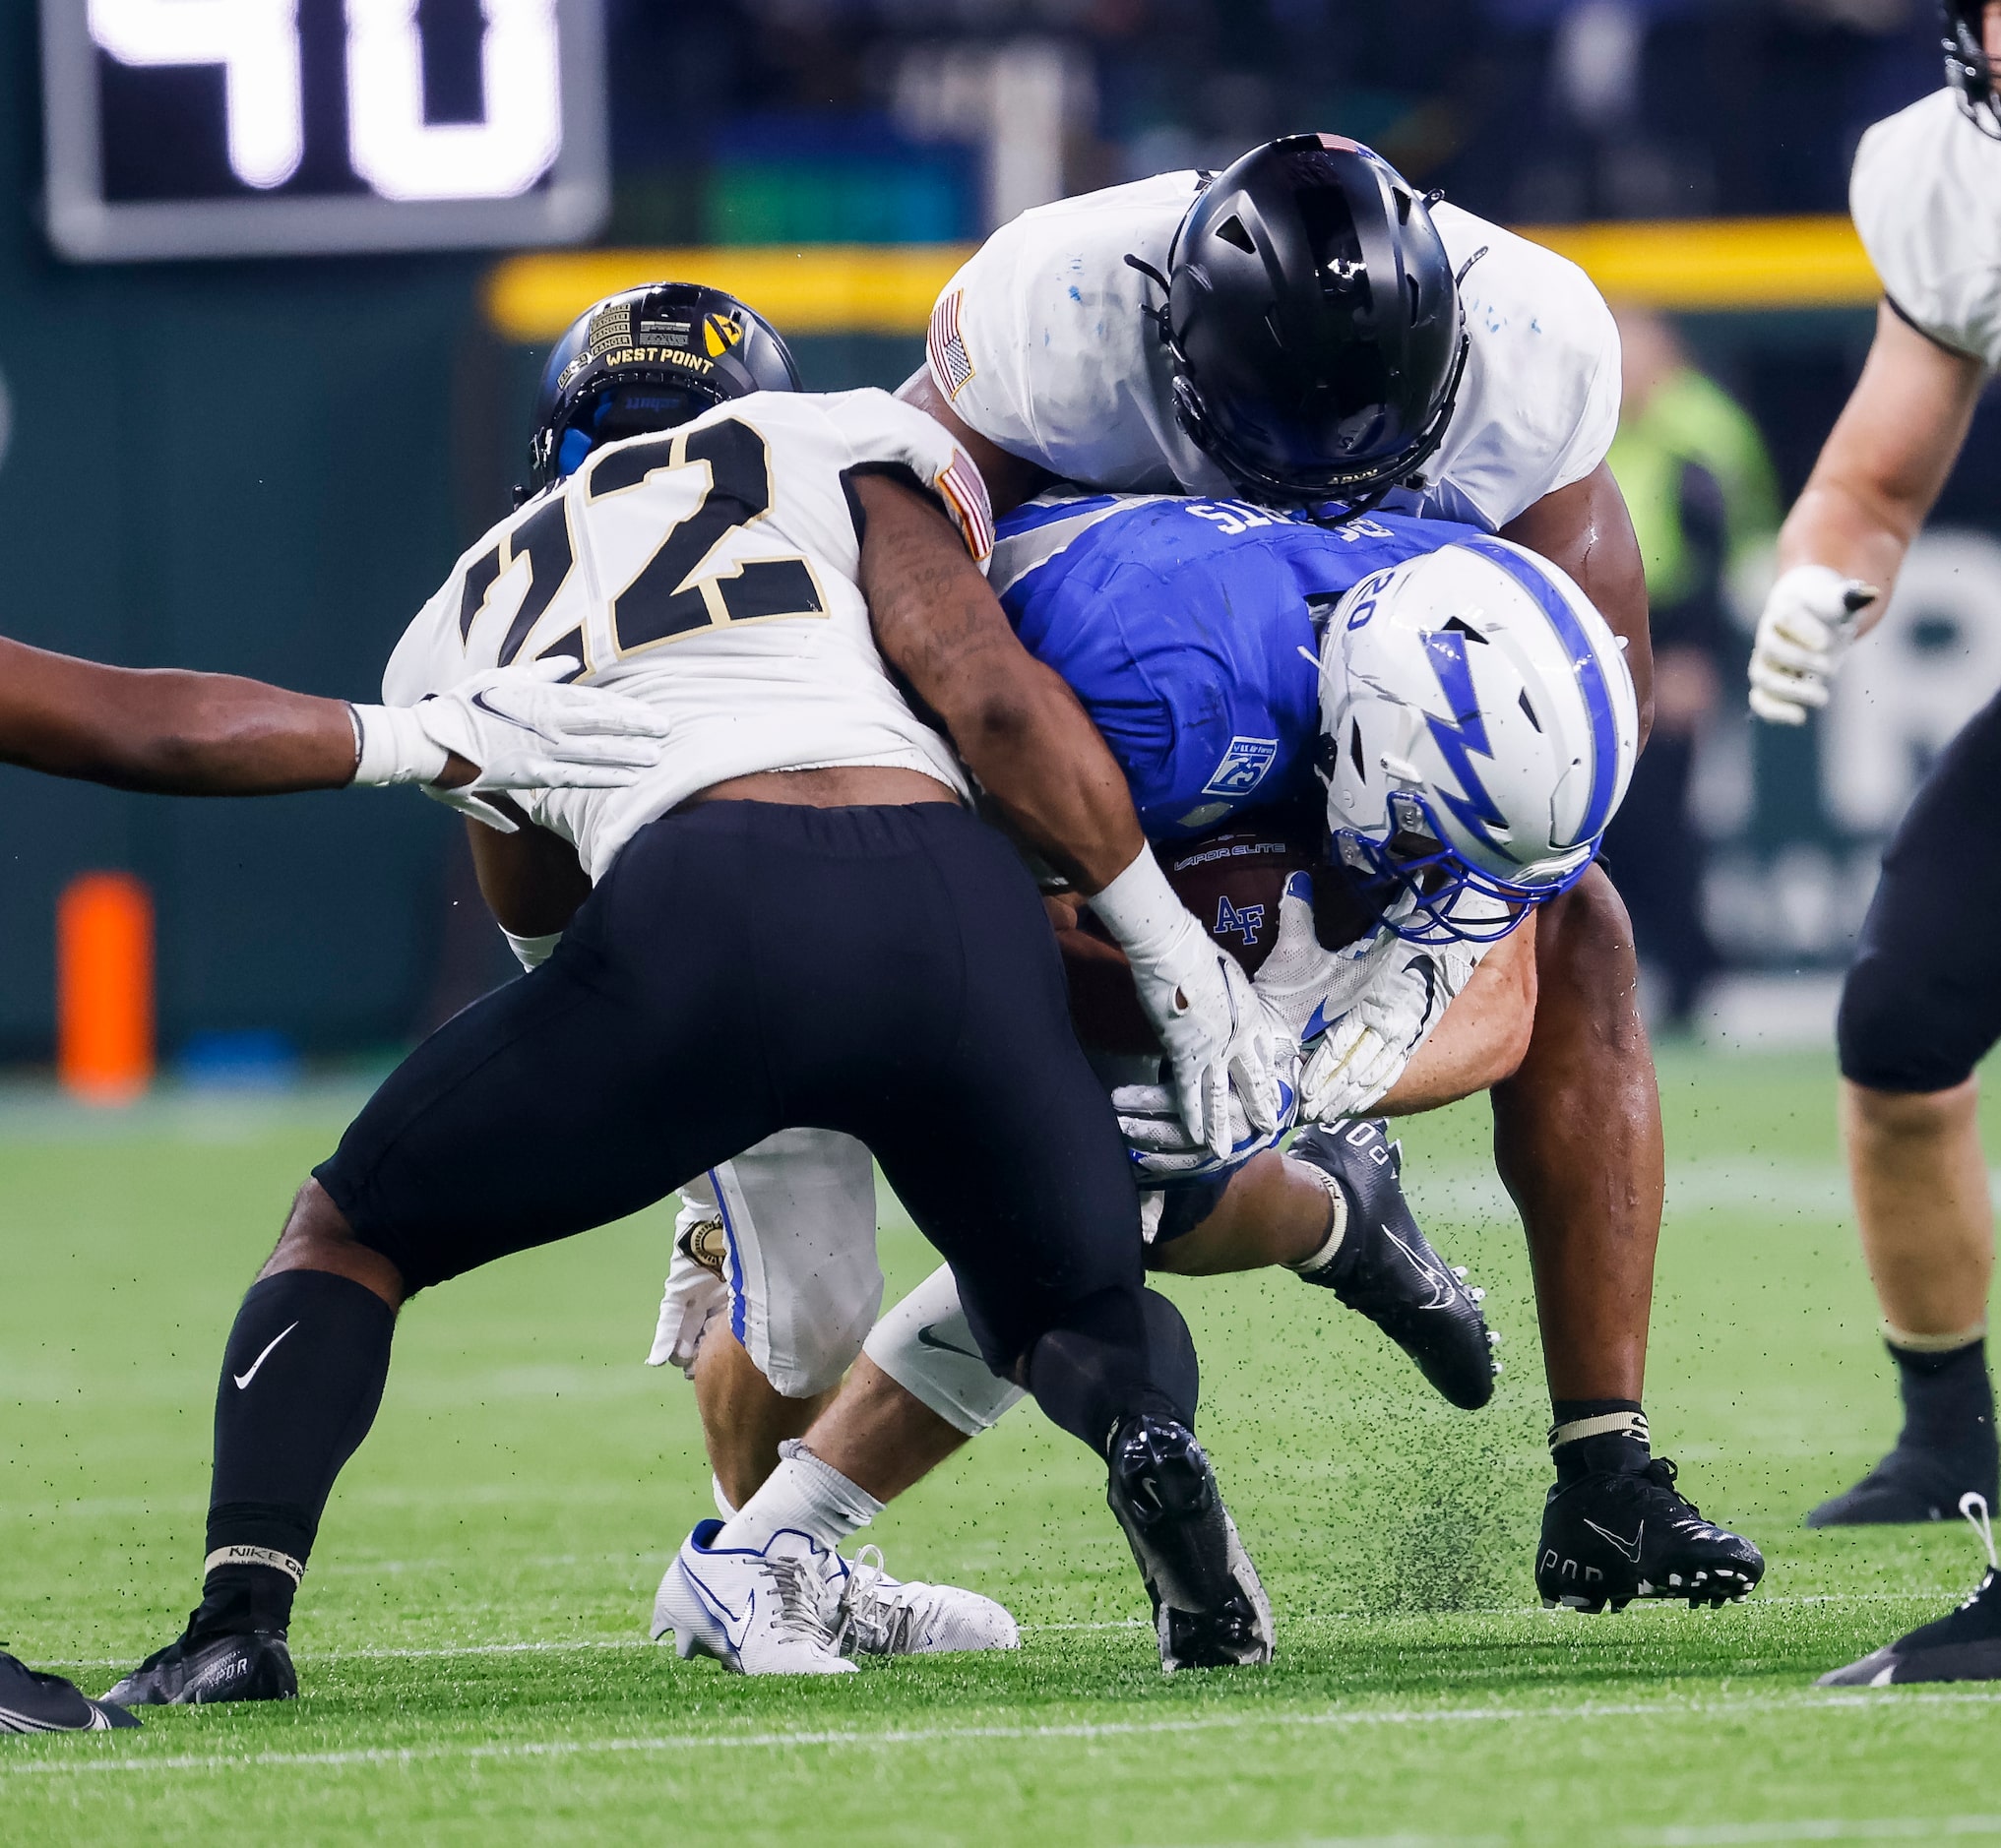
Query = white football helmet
x=1478 y=730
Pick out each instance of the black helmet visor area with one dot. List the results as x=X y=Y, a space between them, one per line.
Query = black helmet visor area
x=1314 y=323
x=629 y=406
x=1969 y=69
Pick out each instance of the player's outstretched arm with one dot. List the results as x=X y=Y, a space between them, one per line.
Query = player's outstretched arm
x=1032 y=747
x=1844 y=543
x=169 y=732
x=1585 y=528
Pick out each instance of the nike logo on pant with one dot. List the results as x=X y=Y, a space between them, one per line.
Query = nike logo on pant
x=244 y=1379
x=928 y=1336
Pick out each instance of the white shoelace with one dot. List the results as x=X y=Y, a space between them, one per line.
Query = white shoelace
x=877 y=1625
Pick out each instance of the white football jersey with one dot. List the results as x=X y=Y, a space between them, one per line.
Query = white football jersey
x=1926 y=197
x=710 y=571
x=1039 y=344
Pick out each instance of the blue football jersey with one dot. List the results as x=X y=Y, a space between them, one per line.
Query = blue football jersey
x=1190 y=629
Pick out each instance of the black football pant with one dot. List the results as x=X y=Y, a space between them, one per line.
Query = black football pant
x=1921 y=1006
x=747 y=967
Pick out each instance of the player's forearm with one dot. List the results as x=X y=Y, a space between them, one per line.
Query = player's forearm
x=165 y=731
x=1842 y=524
x=1018 y=726
x=1041 y=761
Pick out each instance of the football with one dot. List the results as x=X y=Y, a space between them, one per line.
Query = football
x=1231 y=881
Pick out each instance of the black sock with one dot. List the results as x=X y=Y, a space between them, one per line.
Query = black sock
x=1948 y=1404
x=1120 y=1353
x=1588 y=1436
x=302 y=1377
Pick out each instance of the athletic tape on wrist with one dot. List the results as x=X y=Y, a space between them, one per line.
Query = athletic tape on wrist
x=1604 y=1425
x=1140 y=910
x=393 y=748
x=1934 y=1344
x=254 y=1556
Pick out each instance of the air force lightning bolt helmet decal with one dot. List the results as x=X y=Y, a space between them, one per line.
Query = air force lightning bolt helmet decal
x=1478 y=730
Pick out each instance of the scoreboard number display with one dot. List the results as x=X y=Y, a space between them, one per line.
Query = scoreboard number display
x=239 y=128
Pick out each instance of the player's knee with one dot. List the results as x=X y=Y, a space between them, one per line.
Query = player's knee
x=1900 y=1035
x=1910 y=1115
x=318 y=1237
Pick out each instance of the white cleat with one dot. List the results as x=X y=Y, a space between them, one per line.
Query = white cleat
x=755 y=1612
x=877 y=1614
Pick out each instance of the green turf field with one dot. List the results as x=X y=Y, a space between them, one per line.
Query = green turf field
x=471 y=1644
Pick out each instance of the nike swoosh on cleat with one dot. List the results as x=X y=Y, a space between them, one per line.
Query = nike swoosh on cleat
x=734 y=1628
x=928 y=1336
x=244 y=1379
x=1630 y=1548
x=1441 y=1286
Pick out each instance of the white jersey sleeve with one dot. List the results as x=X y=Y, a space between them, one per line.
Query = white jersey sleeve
x=1925 y=195
x=711 y=572
x=1044 y=344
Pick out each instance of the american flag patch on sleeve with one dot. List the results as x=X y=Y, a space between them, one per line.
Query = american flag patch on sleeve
x=946 y=347
x=965 y=494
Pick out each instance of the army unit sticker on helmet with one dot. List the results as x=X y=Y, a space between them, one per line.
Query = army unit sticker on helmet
x=648 y=358
x=1478 y=729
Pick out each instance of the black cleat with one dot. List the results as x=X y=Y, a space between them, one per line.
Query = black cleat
x=33 y=1702
x=253 y=1666
x=1908 y=1485
x=1612 y=1536
x=1386 y=1267
x=1963 y=1645
x=1208 y=1609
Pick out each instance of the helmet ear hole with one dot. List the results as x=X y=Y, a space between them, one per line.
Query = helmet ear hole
x=1231 y=231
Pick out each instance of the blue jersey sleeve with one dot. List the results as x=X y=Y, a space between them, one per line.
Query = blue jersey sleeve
x=1188 y=630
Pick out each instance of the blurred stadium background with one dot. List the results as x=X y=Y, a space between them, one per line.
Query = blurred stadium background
x=265 y=356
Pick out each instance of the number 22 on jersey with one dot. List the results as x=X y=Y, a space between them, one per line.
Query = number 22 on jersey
x=680 y=588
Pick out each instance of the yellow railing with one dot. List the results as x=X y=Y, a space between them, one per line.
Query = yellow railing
x=1690 y=265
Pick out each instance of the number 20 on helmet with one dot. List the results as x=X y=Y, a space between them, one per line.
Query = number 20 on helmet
x=1478 y=729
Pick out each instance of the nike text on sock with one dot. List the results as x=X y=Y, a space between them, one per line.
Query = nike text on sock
x=1337 y=1223
x=254 y=1556
x=804 y=1494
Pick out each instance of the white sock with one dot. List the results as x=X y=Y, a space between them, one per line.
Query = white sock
x=803 y=1494
x=724 y=1505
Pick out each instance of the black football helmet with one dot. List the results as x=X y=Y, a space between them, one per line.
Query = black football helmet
x=1313 y=323
x=1969 y=69
x=648 y=358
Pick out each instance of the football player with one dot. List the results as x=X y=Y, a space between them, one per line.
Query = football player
x=1917 y=1014
x=174 y=733
x=1189 y=627
x=1307 y=329
x=768 y=576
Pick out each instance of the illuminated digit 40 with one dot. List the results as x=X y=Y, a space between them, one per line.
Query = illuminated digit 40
x=403 y=156
x=390 y=145
x=256 y=41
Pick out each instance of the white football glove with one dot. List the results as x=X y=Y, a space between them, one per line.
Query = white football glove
x=520 y=727
x=1199 y=1001
x=1164 y=1150
x=1808 y=625
x=1365 y=1051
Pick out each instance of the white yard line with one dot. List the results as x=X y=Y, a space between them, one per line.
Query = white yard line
x=1263 y=1718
